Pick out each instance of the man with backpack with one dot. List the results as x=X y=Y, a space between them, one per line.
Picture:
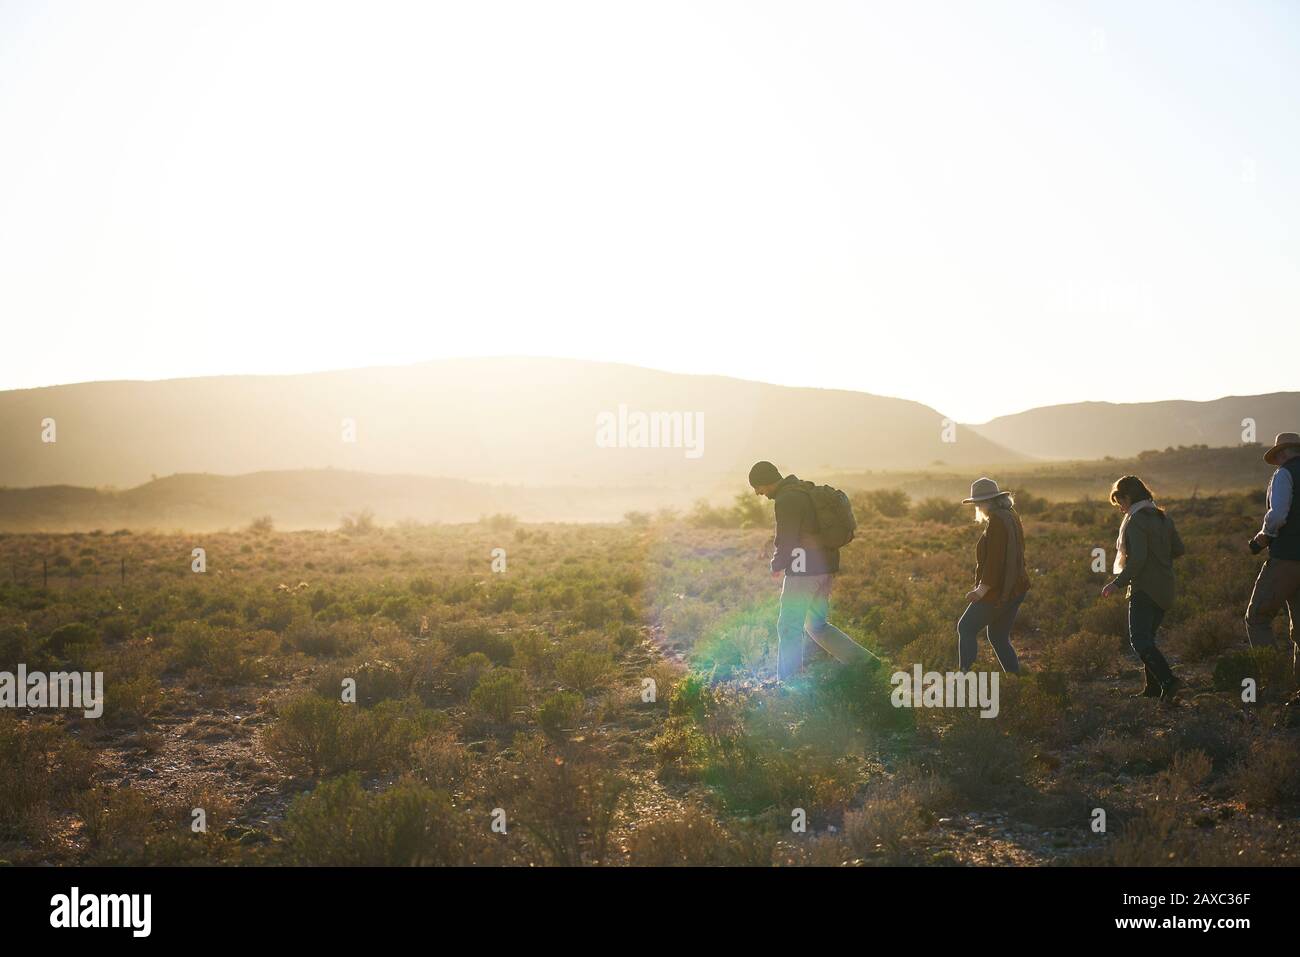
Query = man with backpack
x=812 y=523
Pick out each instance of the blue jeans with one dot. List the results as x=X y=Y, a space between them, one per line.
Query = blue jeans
x=997 y=619
x=805 y=603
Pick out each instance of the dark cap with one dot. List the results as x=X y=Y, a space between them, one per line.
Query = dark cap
x=763 y=473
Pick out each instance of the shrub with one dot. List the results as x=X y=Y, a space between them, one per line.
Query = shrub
x=942 y=510
x=468 y=671
x=74 y=641
x=19 y=646
x=583 y=669
x=889 y=502
x=891 y=823
x=704 y=515
x=132 y=700
x=560 y=712
x=501 y=522
x=1159 y=833
x=341 y=825
x=568 y=807
x=467 y=639
x=117 y=826
x=221 y=654
x=358 y=523
x=379 y=681
x=1269 y=776
x=689 y=839
x=321 y=639
x=440 y=760
x=981 y=759
x=1208 y=634
x=1270 y=666
x=1027 y=503
x=498 y=694
x=316 y=736
x=1085 y=654
x=39 y=766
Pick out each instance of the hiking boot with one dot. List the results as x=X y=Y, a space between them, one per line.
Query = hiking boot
x=1170 y=690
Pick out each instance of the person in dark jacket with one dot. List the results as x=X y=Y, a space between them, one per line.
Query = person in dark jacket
x=1145 y=551
x=1278 y=583
x=806 y=568
x=1000 y=578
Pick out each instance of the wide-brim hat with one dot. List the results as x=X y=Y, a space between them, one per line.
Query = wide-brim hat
x=983 y=489
x=1284 y=440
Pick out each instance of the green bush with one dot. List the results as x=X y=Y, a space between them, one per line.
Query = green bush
x=560 y=712
x=39 y=768
x=583 y=669
x=316 y=736
x=341 y=825
x=498 y=695
x=889 y=502
x=74 y=642
x=942 y=510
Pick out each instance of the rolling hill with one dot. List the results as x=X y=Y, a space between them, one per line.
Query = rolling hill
x=521 y=421
x=312 y=499
x=1093 y=430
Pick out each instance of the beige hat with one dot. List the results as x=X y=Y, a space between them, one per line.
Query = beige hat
x=983 y=489
x=1284 y=440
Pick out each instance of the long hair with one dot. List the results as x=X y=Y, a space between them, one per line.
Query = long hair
x=1134 y=489
x=1002 y=501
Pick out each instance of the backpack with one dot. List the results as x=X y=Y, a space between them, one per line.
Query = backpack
x=834 y=514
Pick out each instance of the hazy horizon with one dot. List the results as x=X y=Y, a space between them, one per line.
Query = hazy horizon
x=632 y=364
x=683 y=187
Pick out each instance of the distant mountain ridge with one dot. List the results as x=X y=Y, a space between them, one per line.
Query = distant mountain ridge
x=520 y=421
x=538 y=422
x=1093 y=430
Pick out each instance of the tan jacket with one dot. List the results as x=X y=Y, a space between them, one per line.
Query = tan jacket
x=1000 y=558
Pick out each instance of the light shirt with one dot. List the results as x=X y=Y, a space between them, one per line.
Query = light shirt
x=1279 y=502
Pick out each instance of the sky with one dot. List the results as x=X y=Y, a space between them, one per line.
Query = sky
x=984 y=207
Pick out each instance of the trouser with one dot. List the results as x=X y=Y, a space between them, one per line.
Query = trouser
x=805 y=604
x=1278 y=584
x=1144 y=618
x=997 y=621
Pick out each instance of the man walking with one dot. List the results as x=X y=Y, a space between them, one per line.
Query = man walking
x=806 y=563
x=1278 y=583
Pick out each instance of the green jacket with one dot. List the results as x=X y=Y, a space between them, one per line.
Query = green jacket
x=1151 y=543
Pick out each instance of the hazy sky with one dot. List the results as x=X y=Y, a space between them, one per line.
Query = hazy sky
x=982 y=206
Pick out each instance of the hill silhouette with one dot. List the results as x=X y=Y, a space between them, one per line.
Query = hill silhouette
x=1093 y=430
x=523 y=421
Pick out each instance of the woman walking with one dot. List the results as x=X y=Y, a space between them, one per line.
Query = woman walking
x=1145 y=551
x=1000 y=577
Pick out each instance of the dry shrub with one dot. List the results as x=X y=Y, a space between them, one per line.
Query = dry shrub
x=1269 y=775
x=1084 y=654
x=692 y=838
x=895 y=818
x=1162 y=832
x=1208 y=634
